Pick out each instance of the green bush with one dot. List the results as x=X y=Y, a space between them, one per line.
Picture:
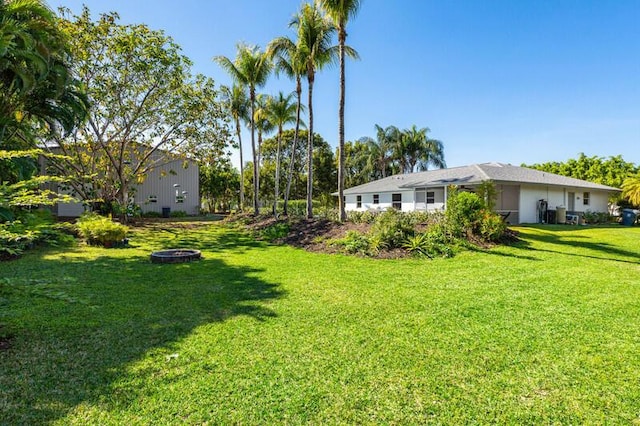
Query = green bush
x=492 y=227
x=151 y=214
x=391 y=228
x=276 y=231
x=178 y=213
x=367 y=216
x=29 y=230
x=464 y=210
x=594 y=218
x=100 y=230
x=354 y=243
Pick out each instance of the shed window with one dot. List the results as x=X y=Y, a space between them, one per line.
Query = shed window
x=396 y=200
x=585 y=198
x=376 y=198
x=359 y=201
x=431 y=197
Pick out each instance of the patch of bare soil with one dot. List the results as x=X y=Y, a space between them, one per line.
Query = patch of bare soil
x=5 y=342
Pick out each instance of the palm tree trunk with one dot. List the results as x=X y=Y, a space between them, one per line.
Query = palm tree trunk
x=341 y=160
x=277 y=185
x=241 y=164
x=258 y=167
x=310 y=154
x=252 y=94
x=295 y=145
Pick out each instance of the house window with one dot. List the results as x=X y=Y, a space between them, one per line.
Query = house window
x=396 y=200
x=431 y=197
x=179 y=199
x=153 y=198
x=376 y=198
x=359 y=201
x=585 y=198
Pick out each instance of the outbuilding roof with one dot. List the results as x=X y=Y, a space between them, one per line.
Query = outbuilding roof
x=472 y=175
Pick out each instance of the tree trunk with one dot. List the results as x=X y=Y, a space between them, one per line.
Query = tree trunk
x=310 y=153
x=341 y=166
x=295 y=145
x=258 y=167
x=241 y=165
x=277 y=185
x=256 y=211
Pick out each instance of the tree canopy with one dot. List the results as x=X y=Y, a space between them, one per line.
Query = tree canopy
x=147 y=107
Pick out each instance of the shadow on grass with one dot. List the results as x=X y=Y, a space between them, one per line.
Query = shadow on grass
x=66 y=354
x=601 y=250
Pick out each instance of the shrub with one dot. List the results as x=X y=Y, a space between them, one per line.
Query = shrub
x=276 y=231
x=492 y=227
x=594 y=218
x=100 y=230
x=464 y=210
x=367 y=216
x=178 y=213
x=428 y=244
x=151 y=214
x=29 y=230
x=354 y=242
x=392 y=228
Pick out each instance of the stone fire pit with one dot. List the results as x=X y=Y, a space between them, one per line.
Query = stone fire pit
x=175 y=256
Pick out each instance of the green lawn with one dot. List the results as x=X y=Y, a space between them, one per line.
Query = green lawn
x=545 y=332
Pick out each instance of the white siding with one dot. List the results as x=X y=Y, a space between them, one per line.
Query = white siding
x=160 y=183
x=555 y=197
x=386 y=201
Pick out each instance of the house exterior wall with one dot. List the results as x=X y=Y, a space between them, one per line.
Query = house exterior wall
x=385 y=201
x=159 y=185
x=556 y=197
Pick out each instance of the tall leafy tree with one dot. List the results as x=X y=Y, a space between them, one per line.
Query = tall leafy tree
x=380 y=151
x=280 y=111
x=147 y=107
x=238 y=107
x=36 y=86
x=315 y=34
x=340 y=12
x=631 y=189
x=251 y=68
x=416 y=148
x=289 y=60
x=263 y=125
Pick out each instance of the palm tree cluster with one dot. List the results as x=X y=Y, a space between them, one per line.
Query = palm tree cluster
x=299 y=58
x=392 y=151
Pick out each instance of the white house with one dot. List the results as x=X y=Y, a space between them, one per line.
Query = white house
x=522 y=192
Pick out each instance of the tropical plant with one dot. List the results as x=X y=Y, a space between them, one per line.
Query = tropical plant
x=417 y=149
x=251 y=68
x=340 y=11
x=288 y=59
x=238 y=106
x=280 y=111
x=263 y=126
x=380 y=151
x=631 y=189
x=148 y=108
x=37 y=88
x=315 y=33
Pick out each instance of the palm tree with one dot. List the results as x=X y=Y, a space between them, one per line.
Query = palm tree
x=251 y=68
x=380 y=152
x=263 y=126
x=289 y=60
x=238 y=106
x=280 y=111
x=340 y=11
x=418 y=149
x=631 y=189
x=35 y=78
x=315 y=33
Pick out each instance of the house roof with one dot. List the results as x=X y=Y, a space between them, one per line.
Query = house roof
x=471 y=175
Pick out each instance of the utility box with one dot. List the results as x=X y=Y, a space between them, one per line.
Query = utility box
x=166 y=212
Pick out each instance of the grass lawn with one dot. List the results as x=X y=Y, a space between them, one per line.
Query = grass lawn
x=544 y=332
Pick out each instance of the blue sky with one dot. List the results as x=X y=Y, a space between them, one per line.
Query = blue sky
x=501 y=80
